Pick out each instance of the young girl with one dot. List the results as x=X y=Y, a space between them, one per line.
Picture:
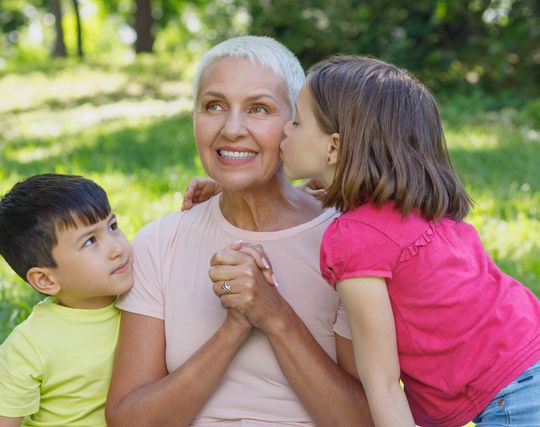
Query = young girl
x=425 y=302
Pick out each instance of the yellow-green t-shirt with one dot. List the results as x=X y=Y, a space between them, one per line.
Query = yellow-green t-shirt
x=55 y=367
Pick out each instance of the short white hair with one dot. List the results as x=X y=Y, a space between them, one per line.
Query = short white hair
x=263 y=50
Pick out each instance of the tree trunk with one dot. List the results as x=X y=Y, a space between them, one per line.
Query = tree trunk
x=143 y=26
x=80 y=52
x=59 y=48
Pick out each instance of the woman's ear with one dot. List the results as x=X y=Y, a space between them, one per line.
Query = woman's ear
x=333 y=149
x=42 y=280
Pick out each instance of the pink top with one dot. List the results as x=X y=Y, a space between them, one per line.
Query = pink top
x=172 y=258
x=464 y=329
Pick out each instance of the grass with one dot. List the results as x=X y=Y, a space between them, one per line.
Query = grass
x=129 y=128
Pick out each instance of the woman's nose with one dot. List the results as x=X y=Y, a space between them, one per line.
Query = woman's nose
x=234 y=126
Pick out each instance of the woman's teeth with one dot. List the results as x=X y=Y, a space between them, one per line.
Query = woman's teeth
x=236 y=154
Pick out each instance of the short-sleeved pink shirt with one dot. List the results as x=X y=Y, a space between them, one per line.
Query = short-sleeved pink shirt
x=464 y=329
x=172 y=258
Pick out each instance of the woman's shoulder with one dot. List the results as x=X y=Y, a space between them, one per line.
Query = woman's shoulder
x=168 y=224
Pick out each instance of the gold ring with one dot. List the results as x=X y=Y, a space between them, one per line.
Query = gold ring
x=226 y=287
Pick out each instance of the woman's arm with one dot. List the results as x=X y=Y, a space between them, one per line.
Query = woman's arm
x=368 y=307
x=10 y=421
x=142 y=393
x=331 y=395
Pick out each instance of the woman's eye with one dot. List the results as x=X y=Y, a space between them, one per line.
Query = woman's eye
x=259 y=109
x=214 y=106
x=89 y=242
x=295 y=123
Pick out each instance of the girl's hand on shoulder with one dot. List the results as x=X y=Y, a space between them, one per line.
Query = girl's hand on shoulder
x=313 y=187
x=199 y=190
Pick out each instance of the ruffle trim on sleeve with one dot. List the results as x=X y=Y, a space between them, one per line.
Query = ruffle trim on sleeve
x=423 y=240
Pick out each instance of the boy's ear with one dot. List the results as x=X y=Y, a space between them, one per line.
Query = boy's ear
x=333 y=149
x=42 y=280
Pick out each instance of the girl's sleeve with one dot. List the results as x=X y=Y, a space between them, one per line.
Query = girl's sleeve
x=20 y=376
x=352 y=248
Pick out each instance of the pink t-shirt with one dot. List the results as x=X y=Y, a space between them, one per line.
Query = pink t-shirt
x=464 y=329
x=172 y=258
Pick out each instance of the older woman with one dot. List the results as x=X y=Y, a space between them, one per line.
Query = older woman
x=183 y=359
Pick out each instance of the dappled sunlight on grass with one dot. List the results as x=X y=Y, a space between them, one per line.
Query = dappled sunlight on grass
x=129 y=127
x=499 y=165
x=47 y=123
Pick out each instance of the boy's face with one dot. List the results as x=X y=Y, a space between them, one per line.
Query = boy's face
x=94 y=264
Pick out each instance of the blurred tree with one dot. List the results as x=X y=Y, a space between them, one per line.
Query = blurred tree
x=446 y=42
x=80 y=52
x=143 y=26
x=59 y=47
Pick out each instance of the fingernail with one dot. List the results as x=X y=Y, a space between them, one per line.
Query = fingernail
x=265 y=263
x=274 y=280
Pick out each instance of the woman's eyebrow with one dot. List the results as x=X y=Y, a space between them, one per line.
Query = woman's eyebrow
x=249 y=98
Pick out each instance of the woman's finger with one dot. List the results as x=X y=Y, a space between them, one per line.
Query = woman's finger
x=224 y=287
x=228 y=256
x=261 y=259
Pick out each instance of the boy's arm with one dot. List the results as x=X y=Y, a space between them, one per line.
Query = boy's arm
x=20 y=373
x=370 y=314
x=10 y=422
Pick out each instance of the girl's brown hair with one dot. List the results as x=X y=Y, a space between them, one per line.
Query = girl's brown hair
x=392 y=145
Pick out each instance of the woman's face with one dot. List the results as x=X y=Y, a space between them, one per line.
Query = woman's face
x=241 y=110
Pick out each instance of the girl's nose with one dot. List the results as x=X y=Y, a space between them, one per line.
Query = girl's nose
x=287 y=128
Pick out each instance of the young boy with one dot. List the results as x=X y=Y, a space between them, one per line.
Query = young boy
x=58 y=233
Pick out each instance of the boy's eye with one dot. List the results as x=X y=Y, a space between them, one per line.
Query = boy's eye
x=89 y=242
x=113 y=226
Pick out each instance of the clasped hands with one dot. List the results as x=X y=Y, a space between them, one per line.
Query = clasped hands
x=251 y=295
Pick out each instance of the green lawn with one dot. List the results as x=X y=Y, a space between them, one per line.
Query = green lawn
x=129 y=128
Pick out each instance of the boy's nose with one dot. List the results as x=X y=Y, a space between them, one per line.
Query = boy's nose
x=116 y=248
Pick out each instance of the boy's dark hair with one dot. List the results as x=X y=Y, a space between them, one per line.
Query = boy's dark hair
x=392 y=144
x=34 y=209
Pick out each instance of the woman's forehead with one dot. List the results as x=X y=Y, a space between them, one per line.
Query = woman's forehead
x=243 y=76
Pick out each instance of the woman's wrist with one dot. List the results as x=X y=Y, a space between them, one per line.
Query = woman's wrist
x=234 y=330
x=281 y=323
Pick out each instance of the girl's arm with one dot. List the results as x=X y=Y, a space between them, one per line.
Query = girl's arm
x=330 y=393
x=143 y=393
x=370 y=315
x=10 y=421
x=199 y=190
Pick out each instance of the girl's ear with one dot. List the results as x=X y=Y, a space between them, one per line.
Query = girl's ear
x=333 y=149
x=42 y=280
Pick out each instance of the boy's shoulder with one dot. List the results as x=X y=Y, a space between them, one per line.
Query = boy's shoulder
x=40 y=313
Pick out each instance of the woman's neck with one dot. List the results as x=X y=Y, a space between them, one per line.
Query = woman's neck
x=275 y=206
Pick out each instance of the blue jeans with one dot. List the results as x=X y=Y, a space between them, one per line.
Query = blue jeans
x=518 y=404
